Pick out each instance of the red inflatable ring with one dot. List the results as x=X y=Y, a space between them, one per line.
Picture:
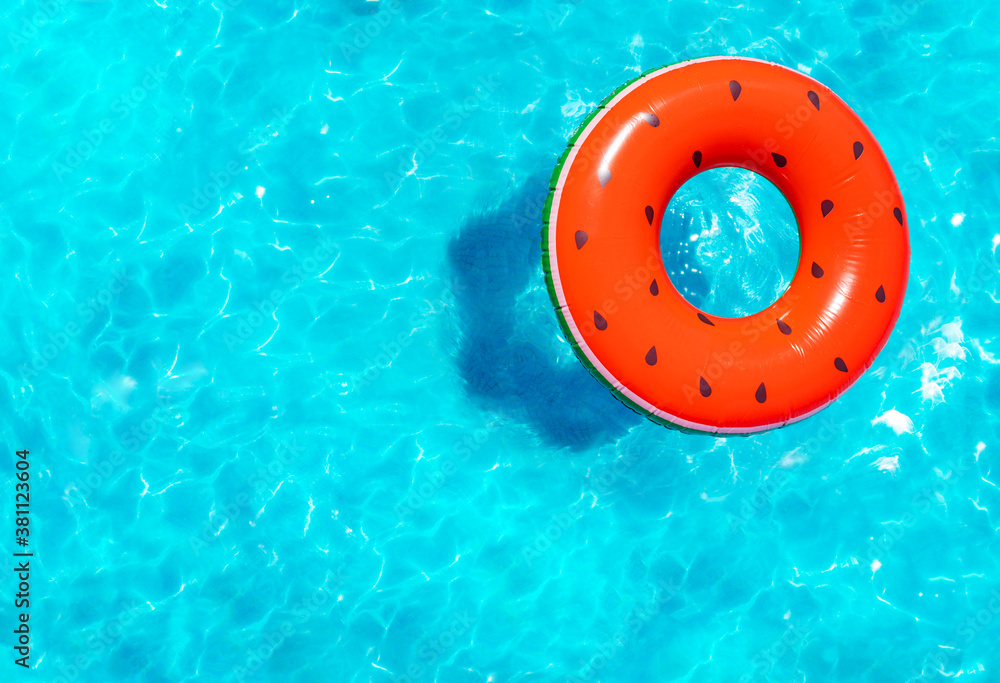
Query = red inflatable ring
x=659 y=354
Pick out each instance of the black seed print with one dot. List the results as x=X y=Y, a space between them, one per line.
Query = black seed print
x=779 y=160
x=840 y=364
x=783 y=326
x=706 y=390
x=814 y=98
x=761 y=394
x=880 y=294
x=651 y=356
x=649 y=214
x=859 y=149
x=898 y=214
x=826 y=207
x=696 y=157
x=581 y=239
x=816 y=270
x=654 y=288
x=704 y=318
x=599 y=321
x=735 y=88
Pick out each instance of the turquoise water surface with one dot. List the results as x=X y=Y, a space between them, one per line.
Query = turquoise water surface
x=276 y=334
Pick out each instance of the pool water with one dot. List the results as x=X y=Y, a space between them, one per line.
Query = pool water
x=277 y=337
x=730 y=242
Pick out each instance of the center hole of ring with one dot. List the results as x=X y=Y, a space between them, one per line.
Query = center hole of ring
x=730 y=242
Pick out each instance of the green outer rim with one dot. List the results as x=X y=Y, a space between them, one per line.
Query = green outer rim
x=547 y=266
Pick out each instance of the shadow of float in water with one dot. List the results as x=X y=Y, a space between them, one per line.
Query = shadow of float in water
x=513 y=359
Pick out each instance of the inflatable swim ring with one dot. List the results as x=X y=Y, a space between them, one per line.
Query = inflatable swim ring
x=600 y=246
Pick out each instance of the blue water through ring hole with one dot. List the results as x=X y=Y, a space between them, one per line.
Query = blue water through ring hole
x=730 y=242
